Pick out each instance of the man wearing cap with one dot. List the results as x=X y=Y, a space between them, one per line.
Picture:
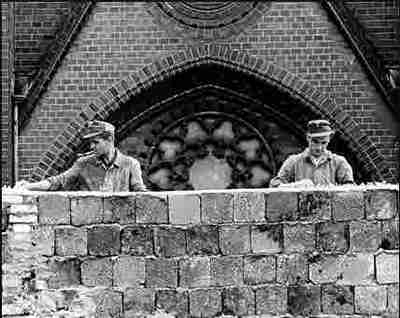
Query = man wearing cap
x=315 y=165
x=104 y=168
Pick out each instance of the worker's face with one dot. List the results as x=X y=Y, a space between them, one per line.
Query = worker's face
x=318 y=145
x=100 y=146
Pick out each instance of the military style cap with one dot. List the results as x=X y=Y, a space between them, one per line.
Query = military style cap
x=319 y=128
x=96 y=128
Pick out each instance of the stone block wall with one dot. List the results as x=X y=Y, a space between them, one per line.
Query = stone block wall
x=319 y=252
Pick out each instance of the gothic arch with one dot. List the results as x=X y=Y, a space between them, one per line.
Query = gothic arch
x=62 y=151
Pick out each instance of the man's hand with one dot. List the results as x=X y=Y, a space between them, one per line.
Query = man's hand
x=25 y=185
x=21 y=185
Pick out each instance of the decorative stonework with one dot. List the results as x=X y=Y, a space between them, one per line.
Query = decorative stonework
x=207 y=19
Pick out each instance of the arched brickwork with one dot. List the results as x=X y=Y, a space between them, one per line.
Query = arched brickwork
x=62 y=150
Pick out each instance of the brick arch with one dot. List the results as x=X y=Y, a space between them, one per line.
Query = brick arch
x=62 y=150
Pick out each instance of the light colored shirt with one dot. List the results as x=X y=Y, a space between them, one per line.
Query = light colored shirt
x=330 y=168
x=91 y=174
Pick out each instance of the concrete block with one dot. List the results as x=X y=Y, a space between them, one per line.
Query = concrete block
x=216 y=208
x=195 y=272
x=43 y=239
x=234 y=239
x=227 y=270
x=348 y=205
x=128 y=271
x=271 y=299
x=202 y=240
x=259 y=269
x=365 y=236
x=249 y=207
x=393 y=298
x=298 y=237
x=315 y=206
x=65 y=272
x=86 y=210
x=333 y=237
x=291 y=269
x=161 y=273
x=184 y=209
x=137 y=240
x=304 y=300
x=138 y=302
x=282 y=206
x=71 y=241
x=266 y=238
x=104 y=240
x=387 y=267
x=119 y=209
x=54 y=209
x=381 y=204
x=238 y=301
x=370 y=299
x=97 y=272
x=205 y=302
x=151 y=208
x=170 y=241
x=390 y=234
x=337 y=299
x=173 y=302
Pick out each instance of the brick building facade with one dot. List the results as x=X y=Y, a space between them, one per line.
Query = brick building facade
x=178 y=78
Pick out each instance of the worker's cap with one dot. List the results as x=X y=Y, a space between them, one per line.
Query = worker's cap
x=319 y=128
x=96 y=128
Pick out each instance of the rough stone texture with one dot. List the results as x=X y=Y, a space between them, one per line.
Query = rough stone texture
x=387 y=267
x=337 y=299
x=390 y=234
x=227 y=270
x=234 y=239
x=259 y=269
x=346 y=270
x=43 y=239
x=216 y=208
x=151 y=208
x=184 y=209
x=365 y=236
x=249 y=207
x=238 y=301
x=271 y=299
x=173 y=302
x=348 y=205
x=195 y=272
x=202 y=240
x=108 y=303
x=266 y=238
x=291 y=269
x=304 y=300
x=97 y=272
x=54 y=209
x=104 y=240
x=282 y=206
x=65 y=272
x=393 y=298
x=370 y=299
x=137 y=240
x=128 y=271
x=333 y=237
x=205 y=302
x=381 y=204
x=170 y=241
x=161 y=273
x=299 y=238
x=119 y=209
x=315 y=206
x=138 y=302
x=86 y=210
x=71 y=241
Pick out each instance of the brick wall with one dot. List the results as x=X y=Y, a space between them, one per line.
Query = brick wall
x=121 y=38
x=204 y=253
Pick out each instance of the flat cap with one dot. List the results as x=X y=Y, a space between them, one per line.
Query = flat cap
x=319 y=128
x=96 y=128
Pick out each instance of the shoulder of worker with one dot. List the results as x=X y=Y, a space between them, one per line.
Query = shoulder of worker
x=127 y=160
x=338 y=158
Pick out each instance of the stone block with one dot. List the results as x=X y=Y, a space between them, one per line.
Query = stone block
x=381 y=204
x=128 y=271
x=86 y=210
x=390 y=234
x=161 y=273
x=259 y=269
x=393 y=298
x=43 y=239
x=304 y=300
x=337 y=299
x=137 y=240
x=104 y=240
x=195 y=272
x=108 y=303
x=65 y=272
x=387 y=267
x=205 y=303
x=355 y=269
x=238 y=301
x=234 y=239
x=291 y=269
x=227 y=270
x=216 y=208
x=202 y=240
x=333 y=237
x=71 y=241
x=266 y=238
x=119 y=209
x=365 y=236
x=138 y=302
x=271 y=299
x=298 y=238
x=282 y=206
x=249 y=207
x=184 y=209
x=170 y=241
x=97 y=272
x=54 y=209
x=151 y=208
x=173 y=302
x=348 y=205
x=370 y=299
x=315 y=206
